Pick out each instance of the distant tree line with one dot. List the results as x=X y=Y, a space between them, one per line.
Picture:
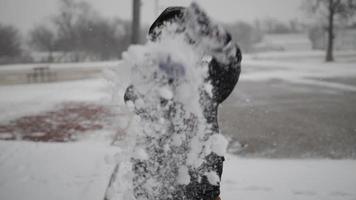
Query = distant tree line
x=247 y=35
x=80 y=32
x=9 y=41
x=76 y=32
x=10 y=45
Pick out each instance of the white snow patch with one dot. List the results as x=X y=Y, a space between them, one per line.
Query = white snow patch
x=213 y=177
x=256 y=179
x=208 y=89
x=166 y=93
x=140 y=154
x=310 y=73
x=193 y=158
x=183 y=176
x=20 y=100
x=53 y=171
x=218 y=144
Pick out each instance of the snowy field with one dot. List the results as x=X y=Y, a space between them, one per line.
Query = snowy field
x=269 y=66
x=81 y=170
x=21 y=100
x=53 y=171
x=254 y=179
x=72 y=171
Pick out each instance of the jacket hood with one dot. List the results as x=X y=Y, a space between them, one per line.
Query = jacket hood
x=168 y=14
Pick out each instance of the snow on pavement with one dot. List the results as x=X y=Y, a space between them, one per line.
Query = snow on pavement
x=72 y=171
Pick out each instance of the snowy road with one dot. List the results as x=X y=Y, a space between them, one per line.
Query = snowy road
x=72 y=171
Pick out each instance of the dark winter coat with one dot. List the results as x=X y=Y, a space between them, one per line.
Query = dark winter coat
x=223 y=77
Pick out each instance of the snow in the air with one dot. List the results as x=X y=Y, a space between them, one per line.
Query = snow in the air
x=213 y=177
x=82 y=170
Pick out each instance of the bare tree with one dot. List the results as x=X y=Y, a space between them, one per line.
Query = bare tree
x=43 y=39
x=83 y=32
x=331 y=10
x=71 y=15
x=9 y=42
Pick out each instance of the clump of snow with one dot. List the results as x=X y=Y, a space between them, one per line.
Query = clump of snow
x=193 y=158
x=218 y=144
x=140 y=154
x=183 y=177
x=208 y=89
x=213 y=177
x=166 y=93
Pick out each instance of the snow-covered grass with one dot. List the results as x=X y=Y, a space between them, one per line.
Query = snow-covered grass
x=53 y=171
x=72 y=171
x=20 y=100
x=297 y=71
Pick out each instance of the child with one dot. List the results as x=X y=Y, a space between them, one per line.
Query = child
x=224 y=68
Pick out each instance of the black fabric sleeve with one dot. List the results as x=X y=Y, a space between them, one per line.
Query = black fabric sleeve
x=224 y=75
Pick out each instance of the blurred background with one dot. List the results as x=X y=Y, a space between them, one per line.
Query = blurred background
x=295 y=99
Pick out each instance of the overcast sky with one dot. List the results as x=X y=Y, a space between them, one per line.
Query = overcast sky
x=25 y=13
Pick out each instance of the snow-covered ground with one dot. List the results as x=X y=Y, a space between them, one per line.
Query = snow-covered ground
x=297 y=71
x=20 y=100
x=255 y=179
x=72 y=171
x=81 y=170
x=53 y=171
